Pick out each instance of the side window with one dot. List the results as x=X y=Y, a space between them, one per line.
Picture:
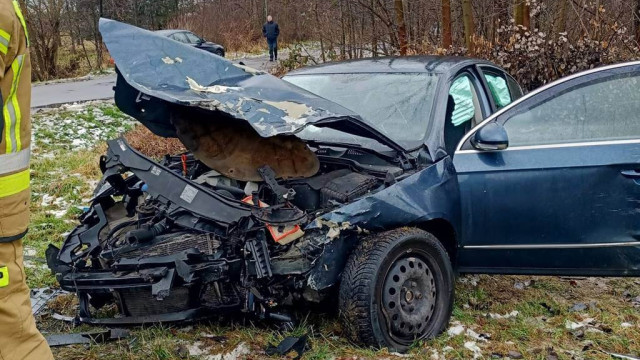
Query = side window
x=598 y=110
x=180 y=37
x=464 y=99
x=192 y=38
x=463 y=111
x=499 y=87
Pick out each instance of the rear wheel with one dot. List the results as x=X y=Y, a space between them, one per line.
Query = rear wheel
x=219 y=52
x=397 y=288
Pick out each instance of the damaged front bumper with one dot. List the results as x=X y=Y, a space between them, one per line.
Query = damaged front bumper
x=164 y=248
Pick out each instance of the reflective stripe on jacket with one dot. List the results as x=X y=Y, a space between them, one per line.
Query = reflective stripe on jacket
x=15 y=125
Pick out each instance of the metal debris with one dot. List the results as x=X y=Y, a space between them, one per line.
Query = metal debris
x=87 y=337
x=65 y=318
x=41 y=296
x=623 y=357
x=289 y=344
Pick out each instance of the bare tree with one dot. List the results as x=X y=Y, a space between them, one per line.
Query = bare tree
x=402 y=29
x=44 y=18
x=469 y=25
x=560 y=21
x=447 y=40
x=636 y=20
x=521 y=13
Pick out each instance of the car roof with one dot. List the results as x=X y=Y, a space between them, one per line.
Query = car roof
x=169 y=31
x=418 y=64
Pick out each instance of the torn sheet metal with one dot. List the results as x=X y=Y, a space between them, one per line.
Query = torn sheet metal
x=287 y=345
x=41 y=296
x=86 y=338
x=147 y=62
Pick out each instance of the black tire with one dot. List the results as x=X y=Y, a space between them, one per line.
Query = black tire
x=219 y=53
x=405 y=266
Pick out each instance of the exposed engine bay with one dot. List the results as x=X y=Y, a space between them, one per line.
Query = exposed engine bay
x=176 y=240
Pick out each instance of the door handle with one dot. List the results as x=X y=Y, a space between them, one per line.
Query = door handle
x=632 y=174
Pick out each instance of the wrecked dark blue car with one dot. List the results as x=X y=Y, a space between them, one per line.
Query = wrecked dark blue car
x=373 y=180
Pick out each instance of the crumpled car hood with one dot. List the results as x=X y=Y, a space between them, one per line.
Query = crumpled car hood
x=177 y=73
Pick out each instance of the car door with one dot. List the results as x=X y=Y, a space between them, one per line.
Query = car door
x=564 y=196
x=193 y=39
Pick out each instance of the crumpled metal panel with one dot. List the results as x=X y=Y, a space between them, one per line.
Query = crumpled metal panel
x=429 y=194
x=178 y=73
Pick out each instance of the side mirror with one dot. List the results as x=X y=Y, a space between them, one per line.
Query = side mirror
x=492 y=136
x=201 y=41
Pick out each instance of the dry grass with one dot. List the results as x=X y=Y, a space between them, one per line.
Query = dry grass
x=153 y=145
x=538 y=331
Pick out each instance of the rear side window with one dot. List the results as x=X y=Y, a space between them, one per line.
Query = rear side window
x=514 y=88
x=597 y=110
x=503 y=88
x=499 y=89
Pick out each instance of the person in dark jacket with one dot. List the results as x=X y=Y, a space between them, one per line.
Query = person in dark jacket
x=270 y=30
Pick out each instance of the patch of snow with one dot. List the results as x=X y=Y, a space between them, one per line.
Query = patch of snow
x=471 y=345
x=77 y=126
x=512 y=314
x=578 y=325
x=456 y=330
x=46 y=200
x=239 y=352
x=479 y=337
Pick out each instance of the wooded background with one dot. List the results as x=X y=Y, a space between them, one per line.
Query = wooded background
x=536 y=40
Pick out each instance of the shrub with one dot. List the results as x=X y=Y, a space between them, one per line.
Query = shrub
x=535 y=58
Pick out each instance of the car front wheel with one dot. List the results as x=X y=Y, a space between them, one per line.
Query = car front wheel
x=219 y=53
x=397 y=287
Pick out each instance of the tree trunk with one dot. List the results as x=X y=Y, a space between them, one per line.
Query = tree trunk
x=560 y=23
x=469 y=25
x=447 y=40
x=636 y=21
x=374 y=33
x=343 y=49
x=402 y=29
x=319 y=34
x=517 y=12
x=526 y=17
x=521 y=13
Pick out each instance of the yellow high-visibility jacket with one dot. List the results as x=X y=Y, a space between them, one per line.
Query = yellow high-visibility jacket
x=15 y=124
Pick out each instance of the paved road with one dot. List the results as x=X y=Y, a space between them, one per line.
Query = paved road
x=99 y=88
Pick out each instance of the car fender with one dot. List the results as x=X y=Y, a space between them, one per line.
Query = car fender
x=431 y=193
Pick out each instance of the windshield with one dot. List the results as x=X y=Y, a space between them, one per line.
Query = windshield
x=396 y=104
